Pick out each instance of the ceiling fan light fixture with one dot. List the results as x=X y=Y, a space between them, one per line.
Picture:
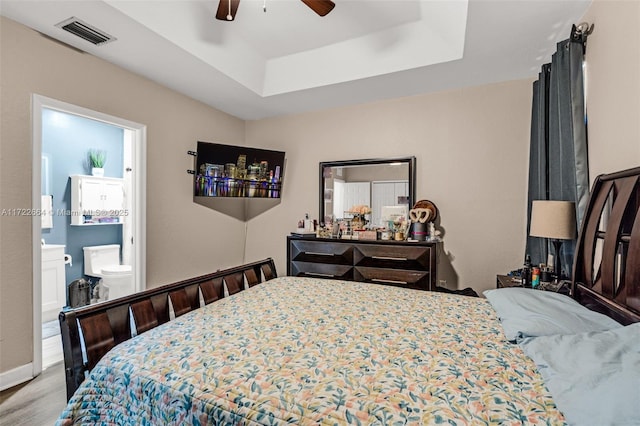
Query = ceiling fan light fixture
x=227 y=10
x=229 y=15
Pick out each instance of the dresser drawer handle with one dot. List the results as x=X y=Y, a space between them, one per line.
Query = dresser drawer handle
x=389 y=258
x=317 y=274
x=377 y=280
x=315 y=253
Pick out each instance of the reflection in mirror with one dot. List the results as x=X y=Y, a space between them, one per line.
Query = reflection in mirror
x=387 y=186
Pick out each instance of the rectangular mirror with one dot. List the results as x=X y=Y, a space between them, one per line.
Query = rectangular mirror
x=387 y=186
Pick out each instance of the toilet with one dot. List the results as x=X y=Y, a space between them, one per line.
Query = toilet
x=104 y=262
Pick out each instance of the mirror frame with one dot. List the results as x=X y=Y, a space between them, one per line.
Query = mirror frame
x=410 y=161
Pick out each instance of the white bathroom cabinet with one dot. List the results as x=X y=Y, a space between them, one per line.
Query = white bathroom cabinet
x=97 y=200
x=54 y=285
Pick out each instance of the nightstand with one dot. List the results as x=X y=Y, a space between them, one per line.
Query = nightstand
x=503 y=281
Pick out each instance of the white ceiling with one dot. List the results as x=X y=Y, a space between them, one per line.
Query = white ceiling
x=290 y=60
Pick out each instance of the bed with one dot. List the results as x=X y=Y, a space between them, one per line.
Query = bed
x=249 y=348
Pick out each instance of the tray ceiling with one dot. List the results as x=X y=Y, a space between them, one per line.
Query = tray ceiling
x=288 y=59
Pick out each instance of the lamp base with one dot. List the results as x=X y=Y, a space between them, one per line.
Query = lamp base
x=557 y=265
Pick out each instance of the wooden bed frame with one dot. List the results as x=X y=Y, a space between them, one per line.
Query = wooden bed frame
x=606 y=279
x=606 y=270
x=100 y=327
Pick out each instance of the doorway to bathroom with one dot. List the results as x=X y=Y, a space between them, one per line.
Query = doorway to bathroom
x=66 y=139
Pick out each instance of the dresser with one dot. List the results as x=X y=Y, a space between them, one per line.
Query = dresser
x=399 y=263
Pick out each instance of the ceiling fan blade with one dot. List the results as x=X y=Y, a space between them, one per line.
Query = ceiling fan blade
x=223 y=10
x=321 y=7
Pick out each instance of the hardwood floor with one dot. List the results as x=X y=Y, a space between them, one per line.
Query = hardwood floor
x=41 y=400
x=38 y=402
x=51 y=351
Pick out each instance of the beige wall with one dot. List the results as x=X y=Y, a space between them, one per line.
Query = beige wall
x=183 y=238
x=613 y=86
x=471 y=146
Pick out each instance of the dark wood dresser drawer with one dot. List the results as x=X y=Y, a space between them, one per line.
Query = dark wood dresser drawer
x=320 y=252
x=399 y=263
x=321 y=270
x=397 y=277
x=392 y=256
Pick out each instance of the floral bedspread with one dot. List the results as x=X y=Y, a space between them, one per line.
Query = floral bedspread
x=310 y=351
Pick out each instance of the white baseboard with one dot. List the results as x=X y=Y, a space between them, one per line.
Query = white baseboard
x=16 y=376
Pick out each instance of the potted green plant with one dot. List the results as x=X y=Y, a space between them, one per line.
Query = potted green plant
x=97 y=158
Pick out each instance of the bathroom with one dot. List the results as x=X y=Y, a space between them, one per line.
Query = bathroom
x=67 y=140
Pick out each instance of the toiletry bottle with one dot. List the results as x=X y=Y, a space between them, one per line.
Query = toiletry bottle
x=308 y=223
x=535 y=277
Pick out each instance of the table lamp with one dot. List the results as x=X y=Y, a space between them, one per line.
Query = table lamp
x=555 y=220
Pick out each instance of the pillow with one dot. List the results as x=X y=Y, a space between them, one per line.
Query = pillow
x=527 y=312
x=594 y=377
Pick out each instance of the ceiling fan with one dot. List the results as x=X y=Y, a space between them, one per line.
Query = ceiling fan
x=227 y=8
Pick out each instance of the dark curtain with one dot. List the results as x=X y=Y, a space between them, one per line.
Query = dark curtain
x=538 y=153
x=558 y=166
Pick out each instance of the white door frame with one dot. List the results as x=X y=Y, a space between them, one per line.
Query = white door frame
x=138 y=177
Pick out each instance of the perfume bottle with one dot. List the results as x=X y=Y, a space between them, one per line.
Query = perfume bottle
x=308 y=223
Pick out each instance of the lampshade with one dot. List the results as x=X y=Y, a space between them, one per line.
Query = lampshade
x=553 y=219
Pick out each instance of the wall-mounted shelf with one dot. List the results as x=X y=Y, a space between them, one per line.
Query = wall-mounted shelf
x=238 y=181
x=240 y=208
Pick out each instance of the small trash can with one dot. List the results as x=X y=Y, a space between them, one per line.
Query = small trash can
x=79 y=293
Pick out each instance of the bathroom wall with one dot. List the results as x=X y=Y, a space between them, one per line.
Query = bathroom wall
x=66 y=141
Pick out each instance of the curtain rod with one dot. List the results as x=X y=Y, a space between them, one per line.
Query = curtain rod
x=580 y=32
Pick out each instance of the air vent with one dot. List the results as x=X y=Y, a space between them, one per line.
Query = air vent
x=85 y=31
